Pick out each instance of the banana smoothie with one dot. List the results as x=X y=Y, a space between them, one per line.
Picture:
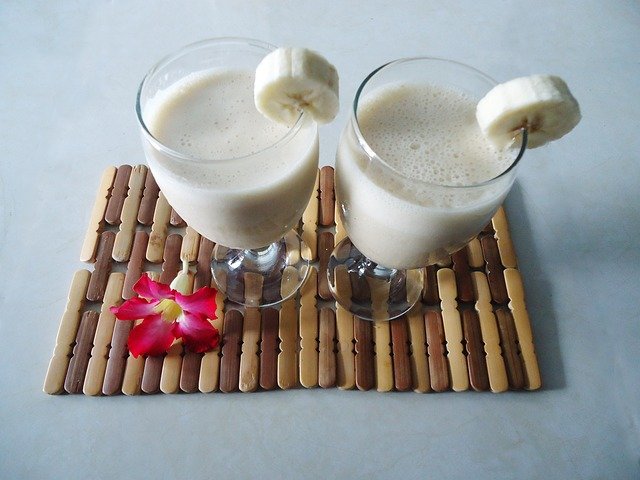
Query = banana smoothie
x=422 y=201
x=241 y=180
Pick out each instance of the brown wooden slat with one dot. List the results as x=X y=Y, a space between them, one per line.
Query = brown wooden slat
x=325 y=247
x=476 y=363
x=327 y=357
x=494 y=269
x=100 y=275
x=135 y=265
x=430 y=290
x=463 y=276
x=230 y=361
x=148 y=201
x=508 y=342
x=269 y=349
x=152 y=374
x=190 y=371
x=118 y=194
x=117 y=361
x=438 y=365
x=327 y=197
x=176 y=220
x=172 y=263
x=203 y=268
x=400 y=346
x=81 y=353
x=365 y=371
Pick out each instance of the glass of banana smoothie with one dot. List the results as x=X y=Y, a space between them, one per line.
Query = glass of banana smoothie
x=234 y=176
x=415 y=181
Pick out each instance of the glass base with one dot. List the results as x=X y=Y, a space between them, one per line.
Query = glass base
x=262 y=277
x=368 y=290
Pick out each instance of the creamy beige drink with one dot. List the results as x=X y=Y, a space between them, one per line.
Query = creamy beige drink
x=236 y=177
x=426 y=194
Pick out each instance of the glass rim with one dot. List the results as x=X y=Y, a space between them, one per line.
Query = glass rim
x=374 y=156
x=164 y=61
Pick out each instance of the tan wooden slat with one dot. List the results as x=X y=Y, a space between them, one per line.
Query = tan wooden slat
x=190 y=245
x=249 y=360
x=288 y=333
x=495 y=363
x=96 y=221
x=210 y=363
x=418 y=359
x=474 y=254
x=308 y=328
x=104 y=331
x=57 y=371
x=341 y=233
x=515 y=289
x=159 y=230
x=327 y=356
x=310 y=222
x=128 y=217
x=503 y=238
x=452 y=330
x=379 y=291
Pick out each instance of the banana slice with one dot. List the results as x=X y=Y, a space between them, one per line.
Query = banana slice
x=290 y=80
x=541 y=103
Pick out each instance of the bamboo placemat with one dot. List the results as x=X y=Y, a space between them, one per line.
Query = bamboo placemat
x=471 y=330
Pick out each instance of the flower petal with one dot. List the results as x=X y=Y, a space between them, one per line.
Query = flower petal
x=201 y=302
x=197 y=332
x=152 y=337
x=151 y=290
x=134 y=309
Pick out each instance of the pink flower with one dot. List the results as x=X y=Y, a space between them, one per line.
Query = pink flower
x=168 y=314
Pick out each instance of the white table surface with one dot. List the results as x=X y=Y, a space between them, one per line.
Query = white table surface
x=68 y=77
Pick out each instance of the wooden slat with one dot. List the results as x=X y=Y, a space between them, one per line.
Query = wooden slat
x=288 y=334
x=327 y=356
x=308 y=328
x=81 y=352
x=253 y=286
x=400 y=344
x=364 y=358
x=438 y=368
x=190 y=371
x=310 y=222
x=190 y=244
x=128 y=217
x=476 y=365
x=490 y=338
x=210 y=363
x=117 y=361
x=203 y=267
x=148 y=201
x=327 y=208
x=104 y=331
x=56 y=373
x=159 y=230
x=171 y=264
x=452 y=330
x=515 y=290
x=230 y=360
x=383 y=362
x=430 y=290
x=249 y=360
x=176 y=220
x=503 y=239
x=345 y=368
x=474 y=254
x=463 y=278
x=100 y=274
x=325 y=247
x=118 y=194
x=269 y=349
x=96 y=221
x=494 y=269
x=418 y=359
x=341 y=233
x=135 y=265
x=508 y=340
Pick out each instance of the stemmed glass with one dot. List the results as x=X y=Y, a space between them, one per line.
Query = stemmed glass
x=397 y=224
x=249 y=202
